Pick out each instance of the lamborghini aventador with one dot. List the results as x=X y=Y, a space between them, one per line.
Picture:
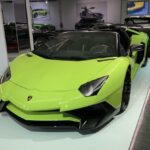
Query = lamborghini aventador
x=79 y=80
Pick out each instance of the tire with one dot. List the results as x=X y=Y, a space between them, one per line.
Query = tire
x=126 y=92
x=2 y=106
x=145 y=62
x=146 y=57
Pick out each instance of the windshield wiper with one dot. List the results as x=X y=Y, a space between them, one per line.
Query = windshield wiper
x=76 y=58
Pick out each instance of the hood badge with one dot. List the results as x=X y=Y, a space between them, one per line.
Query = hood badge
x=29 y=98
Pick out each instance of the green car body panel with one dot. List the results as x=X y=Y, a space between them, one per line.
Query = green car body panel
x=43 y=27
x=38 y=87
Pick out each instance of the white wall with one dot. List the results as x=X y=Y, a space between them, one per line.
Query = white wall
x=68 y=13
x=20 y=12
x=8 y=12
x=124 y=10
x=54 y=11
x=3 y=52
x=114 y=11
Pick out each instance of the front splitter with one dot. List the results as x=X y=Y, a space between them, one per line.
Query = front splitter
x=87 y=125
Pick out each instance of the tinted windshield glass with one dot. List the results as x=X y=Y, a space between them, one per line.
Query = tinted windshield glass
x=79 y=46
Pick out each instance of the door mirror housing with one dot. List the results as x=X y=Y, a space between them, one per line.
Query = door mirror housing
x=137 y=47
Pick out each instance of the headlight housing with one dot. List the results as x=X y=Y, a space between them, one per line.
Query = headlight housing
x=6 y=76
x=93 y=87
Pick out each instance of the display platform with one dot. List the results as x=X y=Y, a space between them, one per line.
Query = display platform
x=141 y=138
x=117 y=135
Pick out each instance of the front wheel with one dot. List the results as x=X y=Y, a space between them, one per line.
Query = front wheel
x=146 y=57
x=126 y=92
x=145 y=62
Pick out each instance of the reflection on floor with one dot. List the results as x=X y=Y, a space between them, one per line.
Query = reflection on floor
x=116 y=135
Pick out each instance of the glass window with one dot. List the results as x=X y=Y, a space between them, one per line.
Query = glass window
x=79 y=46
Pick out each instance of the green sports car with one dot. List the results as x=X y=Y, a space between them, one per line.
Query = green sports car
x=44 y=27
x=39 y=12
x=77 y=81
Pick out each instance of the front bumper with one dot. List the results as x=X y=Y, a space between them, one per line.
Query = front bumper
x=54 y=111
x=85 y=120
x=45 y=101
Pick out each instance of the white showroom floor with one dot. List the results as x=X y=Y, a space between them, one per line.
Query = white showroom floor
x=116 y=135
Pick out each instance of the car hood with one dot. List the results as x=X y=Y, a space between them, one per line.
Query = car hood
x=37 y=73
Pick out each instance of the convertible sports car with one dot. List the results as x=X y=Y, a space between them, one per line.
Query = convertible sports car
x=79 y=80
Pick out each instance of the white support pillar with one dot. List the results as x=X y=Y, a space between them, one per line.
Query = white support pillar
x=3 y=48
x=29 y=18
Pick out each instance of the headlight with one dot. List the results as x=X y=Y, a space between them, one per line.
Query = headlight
x=93 y=87
x=6 y=76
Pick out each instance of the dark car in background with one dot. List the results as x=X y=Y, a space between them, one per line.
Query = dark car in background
x=22 y=41
x=16 y=37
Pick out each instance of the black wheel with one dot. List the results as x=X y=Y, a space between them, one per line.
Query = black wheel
x=146 y=57
x=2 y=105
x=145 y=62
x=126 y=92
x=147 y=54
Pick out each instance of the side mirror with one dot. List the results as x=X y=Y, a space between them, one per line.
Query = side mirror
x=137 y=47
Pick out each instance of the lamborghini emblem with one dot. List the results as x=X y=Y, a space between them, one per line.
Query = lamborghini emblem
x=29 y=98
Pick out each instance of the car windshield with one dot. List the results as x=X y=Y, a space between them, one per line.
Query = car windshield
x=79 y=46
